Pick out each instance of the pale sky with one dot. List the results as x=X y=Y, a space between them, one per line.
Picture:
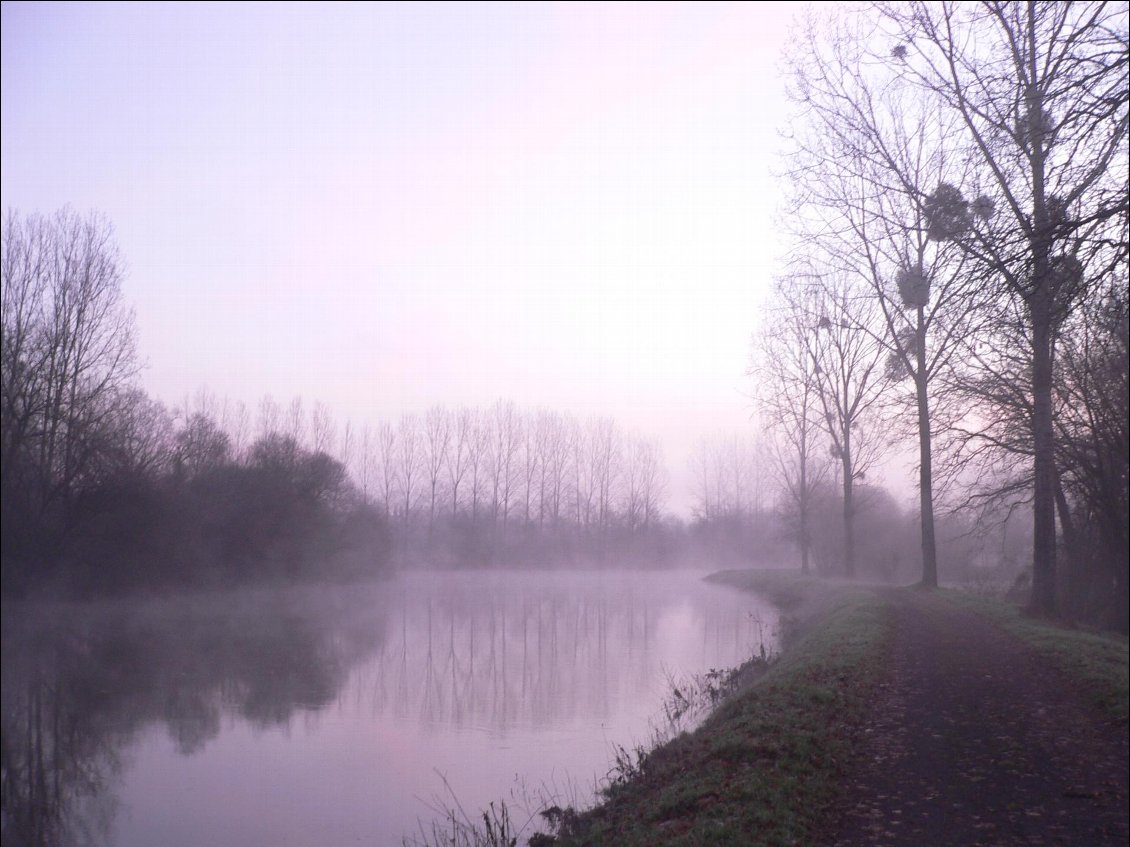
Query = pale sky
x=383 y=207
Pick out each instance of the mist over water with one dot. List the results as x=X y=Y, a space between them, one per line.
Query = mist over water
x=346 y=715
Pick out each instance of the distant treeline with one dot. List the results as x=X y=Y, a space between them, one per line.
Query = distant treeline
x=496 y=486
x=506 y=486
x=107 y=490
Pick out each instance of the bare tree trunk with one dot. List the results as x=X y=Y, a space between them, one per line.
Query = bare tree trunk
x=1072 y=548
x=1043 y=502
x=803 y=504
x=849 y=507
x=925 y=463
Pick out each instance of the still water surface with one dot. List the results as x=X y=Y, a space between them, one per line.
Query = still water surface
x=344 y=715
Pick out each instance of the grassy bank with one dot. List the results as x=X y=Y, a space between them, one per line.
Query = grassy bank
x=764 y=767
x=1097 y=663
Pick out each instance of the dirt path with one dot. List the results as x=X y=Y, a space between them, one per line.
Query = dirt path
x=977 y=742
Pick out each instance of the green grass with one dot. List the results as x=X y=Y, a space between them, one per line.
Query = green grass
x=764 y=768
x=1098 y=663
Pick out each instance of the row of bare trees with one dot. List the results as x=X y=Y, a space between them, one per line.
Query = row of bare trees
x=959 y=199
x=480 y=479
x=507 y=466
x=729 y=477
x=500 y=465
x=735 y=521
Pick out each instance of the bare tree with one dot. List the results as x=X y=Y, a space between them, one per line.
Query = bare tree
x=347 y=446
x=506 y=440
x=1039 y=92
x=849 y=377
x=140 y=442
x=460 y=453
x=437 y=438
x=543 y=424
x=478 y=460
x=270 y=416
x=1092 y=496
x=322 y=429
x=408 y=456
x=580 y=477
x=533 y=446
x=865 y=149
x=643 y=483
x=729 y=477
x=389 y=465
x=704 y=479
x=68 y=355
x=294 y=421
x=201 y=446
x=654 y=479
x=787 y=397
x=558 y=431
x=234 y=420
x=367 y=461
x=605 y=456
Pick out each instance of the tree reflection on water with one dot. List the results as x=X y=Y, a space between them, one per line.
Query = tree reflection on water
x=482 y=674
x=79 y=683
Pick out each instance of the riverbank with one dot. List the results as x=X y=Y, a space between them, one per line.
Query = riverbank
x=765 y=766
x=800 y=756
